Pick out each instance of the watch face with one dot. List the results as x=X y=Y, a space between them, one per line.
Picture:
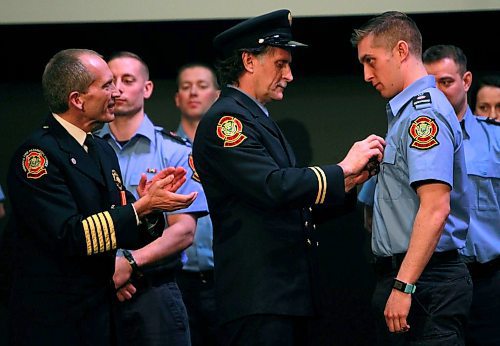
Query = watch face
x=403 y=286
x=398 y=285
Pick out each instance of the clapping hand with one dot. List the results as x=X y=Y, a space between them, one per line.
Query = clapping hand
x=177 y=176
x=158 y=194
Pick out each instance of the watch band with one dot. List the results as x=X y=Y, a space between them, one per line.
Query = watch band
x=131 y=260
x=404 y=287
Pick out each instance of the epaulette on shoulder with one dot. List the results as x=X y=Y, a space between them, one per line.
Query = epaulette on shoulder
x=176 y=137
x=490 y=121
x=422 y=100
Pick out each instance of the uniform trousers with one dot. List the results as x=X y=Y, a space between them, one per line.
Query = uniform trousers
x=156 y=315
x=94 y=327
x=484 y=322
x=439 y=306
x=198 y=294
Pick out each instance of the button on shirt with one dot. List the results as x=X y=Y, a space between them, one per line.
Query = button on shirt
x=199 y=256
x=482 y=157
x=149 y=151
x=396 y=202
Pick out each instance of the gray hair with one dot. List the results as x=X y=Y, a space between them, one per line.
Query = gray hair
x=63 y=74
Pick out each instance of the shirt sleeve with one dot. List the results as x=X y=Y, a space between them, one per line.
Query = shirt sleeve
x=429 y=143
x=367 y=193
x=179 y=157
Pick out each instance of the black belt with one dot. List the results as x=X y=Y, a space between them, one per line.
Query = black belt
x=478 y=270
x=384 y=265
x=204 y=276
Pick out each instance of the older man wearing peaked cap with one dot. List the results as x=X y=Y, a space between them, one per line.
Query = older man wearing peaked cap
x=264 y=209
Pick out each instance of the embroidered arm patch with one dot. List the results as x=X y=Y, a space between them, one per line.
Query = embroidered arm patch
x=423 y=131
x=230 y=130
x=35 y=163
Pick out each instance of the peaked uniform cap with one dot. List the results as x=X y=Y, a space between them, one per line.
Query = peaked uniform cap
x=270 y=29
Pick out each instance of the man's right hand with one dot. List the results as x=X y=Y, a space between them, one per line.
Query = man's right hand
x=178 y=178
x=360 y=153
x=157 y=194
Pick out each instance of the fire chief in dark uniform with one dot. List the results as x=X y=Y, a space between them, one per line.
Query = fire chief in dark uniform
x=71 y=212
x=263 y=207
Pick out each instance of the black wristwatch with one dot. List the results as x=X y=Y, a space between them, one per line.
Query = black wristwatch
x=404 y=287
x=131 y=260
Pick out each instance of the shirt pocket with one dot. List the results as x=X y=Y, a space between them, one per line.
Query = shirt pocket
x=485 y=181
x=135 y=178
x=389 y=176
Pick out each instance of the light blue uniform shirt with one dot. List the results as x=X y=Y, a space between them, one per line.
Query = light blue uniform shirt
x=149 y=151
x=367 y=192
x=2 y=196
x=199 y=256
x=482 y=157
x=424 y=142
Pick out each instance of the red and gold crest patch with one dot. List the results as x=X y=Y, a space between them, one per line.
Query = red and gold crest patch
x=35 y=163
x=423 y=132
x=229 y=129
x=195 y=176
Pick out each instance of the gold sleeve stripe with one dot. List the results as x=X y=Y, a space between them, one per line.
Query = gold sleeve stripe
x=104 y=220
x=99 y=232
x=322 y=184
x=103 y=236
x=112 y=233
x=93 y=227
x=86 y=231
x=325 y=184
x=98 y=229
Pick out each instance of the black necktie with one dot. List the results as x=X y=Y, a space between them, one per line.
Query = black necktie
x=91 y=149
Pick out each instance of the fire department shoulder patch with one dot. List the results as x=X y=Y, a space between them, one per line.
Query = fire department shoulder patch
x=230 y=129
x=35 y=163
x=423 y=131
x=195 y=176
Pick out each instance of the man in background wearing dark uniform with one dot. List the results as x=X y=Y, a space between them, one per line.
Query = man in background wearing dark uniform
x=263 y=207
x=70 y=211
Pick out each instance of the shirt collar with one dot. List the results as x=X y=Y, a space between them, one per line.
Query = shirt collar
x=180 y=132
x=75 y=132
x=400 y=100
x=471 y=124
x=146 y=129
x=261 y=106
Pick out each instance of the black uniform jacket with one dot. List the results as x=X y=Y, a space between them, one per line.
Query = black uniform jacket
x=69 y=217
x=262 y=208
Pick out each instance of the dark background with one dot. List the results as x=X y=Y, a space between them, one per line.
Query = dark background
x=326 y=109
x=167 y=45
